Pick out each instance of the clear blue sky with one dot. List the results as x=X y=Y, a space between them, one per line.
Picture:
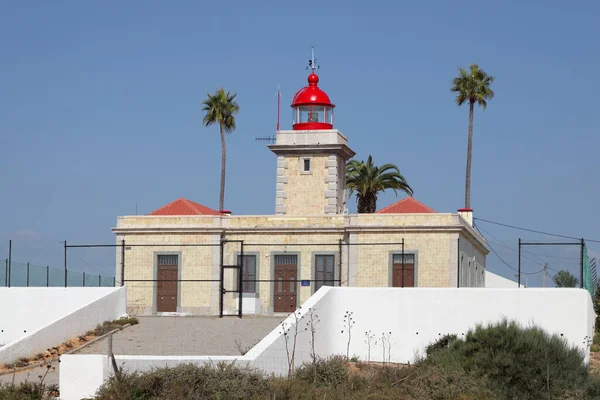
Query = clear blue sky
x=100 y=108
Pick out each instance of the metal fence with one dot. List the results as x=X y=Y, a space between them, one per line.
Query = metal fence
x=208 y=273
x=21 y=274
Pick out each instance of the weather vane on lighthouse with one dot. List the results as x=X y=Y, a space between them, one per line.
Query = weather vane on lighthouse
x=312 y=63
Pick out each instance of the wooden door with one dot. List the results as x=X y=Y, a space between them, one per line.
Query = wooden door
x=403 y=277
x=167 y=276
x=286 y=273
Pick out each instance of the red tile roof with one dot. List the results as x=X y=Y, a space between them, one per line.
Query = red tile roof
x=184 y=207
x=408 y=205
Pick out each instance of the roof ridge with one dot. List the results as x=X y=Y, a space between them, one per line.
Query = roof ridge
x=189 y=204
x=394 y=203
x=189 y=207
x=406 y=199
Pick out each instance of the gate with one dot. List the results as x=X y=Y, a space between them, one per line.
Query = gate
x=238 y=244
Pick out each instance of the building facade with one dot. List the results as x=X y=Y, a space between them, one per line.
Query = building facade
x=185 y=257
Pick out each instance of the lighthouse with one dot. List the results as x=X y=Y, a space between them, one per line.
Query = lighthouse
x=311 y=158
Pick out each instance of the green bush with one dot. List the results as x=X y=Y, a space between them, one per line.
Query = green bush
x=22 y=391
x=442 y=343
x=223 y=381
x=331 y=371
x=503 y=361
x=516 y=362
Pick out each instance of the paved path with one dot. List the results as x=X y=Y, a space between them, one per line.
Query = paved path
x=187 y=336
x=174 y=336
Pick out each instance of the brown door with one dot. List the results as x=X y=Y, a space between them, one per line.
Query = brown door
x=167 y=283
x=286 y=269
x=403 y=277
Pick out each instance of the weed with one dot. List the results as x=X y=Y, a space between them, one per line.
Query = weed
x=286 y=328
x=24 y=360
x=369 y=336
x=242 y=348
x=69 y=345
x=40 y=356
x=348 y=324
x=331 y=371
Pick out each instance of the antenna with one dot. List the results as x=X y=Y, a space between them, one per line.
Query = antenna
x=266 y=139
x=278 y=106
x=312 y=63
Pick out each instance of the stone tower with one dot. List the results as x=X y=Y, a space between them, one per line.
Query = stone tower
x=311 y=158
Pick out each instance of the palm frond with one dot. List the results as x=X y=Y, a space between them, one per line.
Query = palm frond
x=367 y=180
x=473 y=86
x=220 y=108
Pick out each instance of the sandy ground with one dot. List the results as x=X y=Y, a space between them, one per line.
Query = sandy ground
x=173 y=336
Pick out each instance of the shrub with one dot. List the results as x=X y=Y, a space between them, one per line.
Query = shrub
x=595 y=348
x=223 y=381
x=23 y=391
x=442 y=343
x=331 y=371
x=516 y=362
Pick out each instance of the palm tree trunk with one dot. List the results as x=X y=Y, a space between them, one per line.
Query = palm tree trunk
x=363 y=205
x=367 y=204
x=469 y=151
x=223 y=158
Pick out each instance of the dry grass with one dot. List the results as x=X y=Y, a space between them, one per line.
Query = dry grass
x=54 y=352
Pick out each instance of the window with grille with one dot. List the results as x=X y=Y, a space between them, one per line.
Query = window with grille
x=167 y=259
x=408 y=258
x=248 y=273
x=286 y=259
x=324 y=271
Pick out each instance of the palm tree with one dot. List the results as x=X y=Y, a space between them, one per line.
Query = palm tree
x=472 y=86
x=221 y=109
x=368 y=180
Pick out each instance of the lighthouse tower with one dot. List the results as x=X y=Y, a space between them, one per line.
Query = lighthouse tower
x=311 y=158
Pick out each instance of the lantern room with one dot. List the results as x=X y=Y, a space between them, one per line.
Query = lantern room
x=312 y=108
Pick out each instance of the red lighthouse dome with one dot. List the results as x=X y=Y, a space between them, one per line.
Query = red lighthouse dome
x=312 y=108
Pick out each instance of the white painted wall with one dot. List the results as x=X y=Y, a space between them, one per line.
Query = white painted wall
x=35 y=319
x=496 y=281
x=472 y=264
x=414 y=316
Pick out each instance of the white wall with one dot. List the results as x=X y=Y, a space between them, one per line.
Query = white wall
x=472 y=265
x=414 y=316
x=496 y=281
x=35 y=319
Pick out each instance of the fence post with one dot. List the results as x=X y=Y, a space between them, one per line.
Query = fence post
x=581 y=266
x=65 y=263
x=27 y=275
x=519 y=266
x=47 y=275
x=83 y=278
x=99 y=279
x=114 y=281
x=6 y=272
x=122 y=262
x=9 y=261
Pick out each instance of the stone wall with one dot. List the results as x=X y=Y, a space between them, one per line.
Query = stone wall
x=365 y=257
